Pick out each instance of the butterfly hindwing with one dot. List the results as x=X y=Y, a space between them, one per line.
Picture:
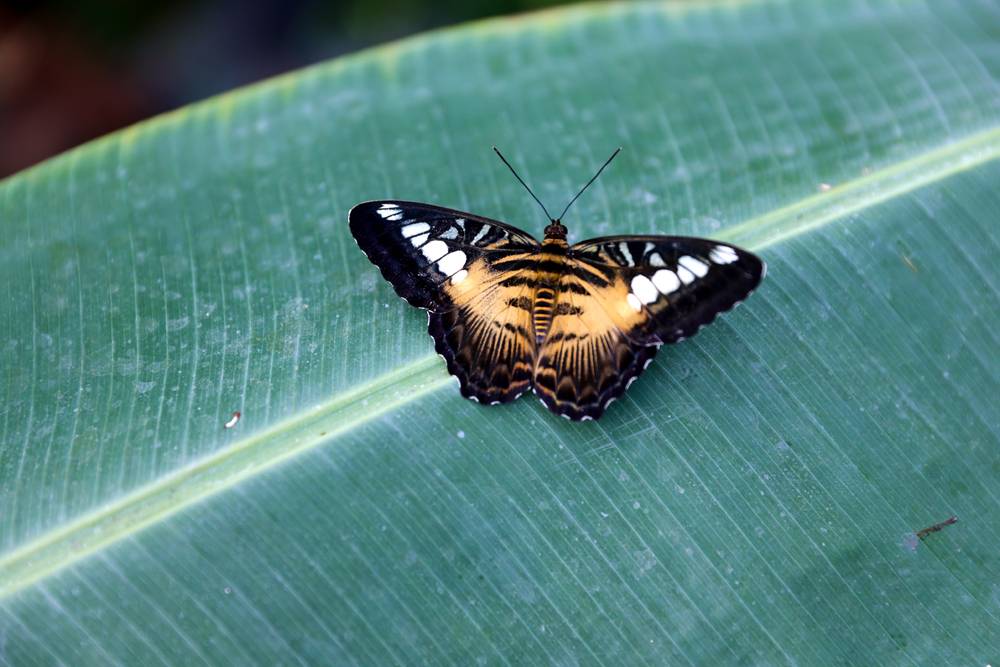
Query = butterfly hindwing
x=590 y=355
x=486 y=337
x=446 y=262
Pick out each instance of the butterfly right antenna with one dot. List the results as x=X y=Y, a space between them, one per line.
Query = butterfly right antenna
x=617 y=151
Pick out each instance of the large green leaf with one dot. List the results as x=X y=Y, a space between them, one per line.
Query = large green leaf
x=755 y=496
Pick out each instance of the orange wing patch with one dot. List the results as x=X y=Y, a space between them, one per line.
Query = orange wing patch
x=487 y=338
x=591 y=353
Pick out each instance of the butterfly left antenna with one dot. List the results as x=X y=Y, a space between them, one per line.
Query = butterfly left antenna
x=617 y=151
x=497 y=151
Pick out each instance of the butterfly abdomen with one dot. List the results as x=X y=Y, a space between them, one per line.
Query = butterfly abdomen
x=549 y=268
x=542 y=312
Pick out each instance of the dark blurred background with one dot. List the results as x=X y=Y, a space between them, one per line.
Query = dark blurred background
x=72 y=70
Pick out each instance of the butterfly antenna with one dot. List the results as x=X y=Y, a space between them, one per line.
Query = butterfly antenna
x=497 y=151
x=617 y=151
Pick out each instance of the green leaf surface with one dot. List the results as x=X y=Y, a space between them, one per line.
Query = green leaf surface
x=754 y=498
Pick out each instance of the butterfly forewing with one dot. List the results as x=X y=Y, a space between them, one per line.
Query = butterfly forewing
x=680 y=283
x=446 y=262
x=419 y=247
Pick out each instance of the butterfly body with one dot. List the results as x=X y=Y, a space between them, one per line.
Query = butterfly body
x=574 y=323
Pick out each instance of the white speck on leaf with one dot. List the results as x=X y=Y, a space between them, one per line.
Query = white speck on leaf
x=178 y=324
x=645 y=559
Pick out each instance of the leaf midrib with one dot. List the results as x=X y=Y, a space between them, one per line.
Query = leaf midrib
x=151 y=503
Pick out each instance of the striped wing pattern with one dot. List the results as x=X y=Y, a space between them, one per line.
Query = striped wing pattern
x=678 y=283
x=443 y=260
x=420 y=248
x=619 y=300
x=577 y=324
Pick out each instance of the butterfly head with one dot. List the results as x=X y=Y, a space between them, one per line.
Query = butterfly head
x=555 y=230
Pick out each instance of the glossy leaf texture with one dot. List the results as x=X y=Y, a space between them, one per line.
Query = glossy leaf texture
x=754 y=498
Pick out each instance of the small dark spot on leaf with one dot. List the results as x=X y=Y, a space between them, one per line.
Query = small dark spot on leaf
x=924 y=532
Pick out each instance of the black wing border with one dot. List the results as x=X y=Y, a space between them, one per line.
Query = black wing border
x=444 y=210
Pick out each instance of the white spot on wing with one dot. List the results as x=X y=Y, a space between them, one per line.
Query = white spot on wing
x=633 y=301
x=695 y=266
x=481 y=233
x=413 y=229
x=459 y=277
x=450 y=233
x=390 y=212
x=666 y=281
x=623 y=246
x=644 y=289
x=721 y=254
x=418 y=241
x=452 y=262
x=435 y=250
x=656 y=260
x=686 y=276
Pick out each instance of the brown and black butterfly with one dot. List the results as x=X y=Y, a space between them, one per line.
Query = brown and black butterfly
x=575 y=323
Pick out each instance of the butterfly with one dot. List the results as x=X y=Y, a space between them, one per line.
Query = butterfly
x=577 y=324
